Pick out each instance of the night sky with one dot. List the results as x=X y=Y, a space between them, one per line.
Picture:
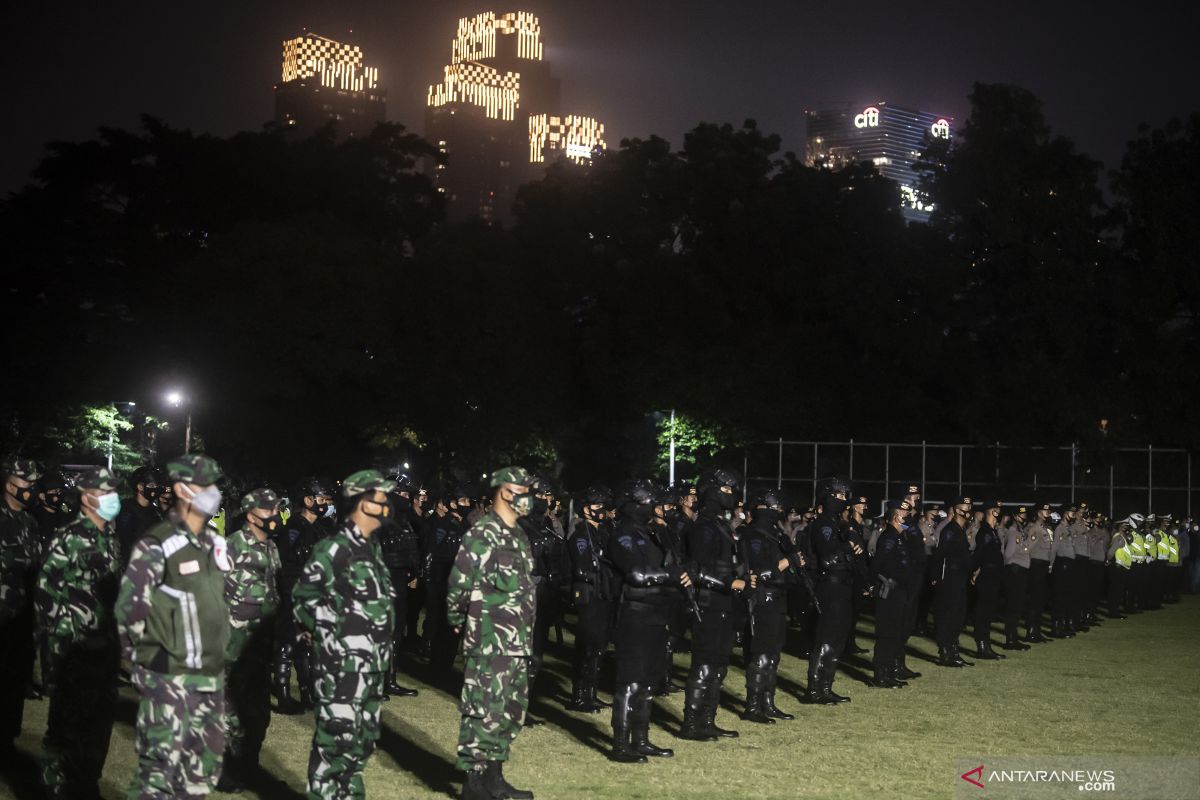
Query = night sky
x=644 y=66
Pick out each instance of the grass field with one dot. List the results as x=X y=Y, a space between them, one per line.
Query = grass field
x=1128 y=687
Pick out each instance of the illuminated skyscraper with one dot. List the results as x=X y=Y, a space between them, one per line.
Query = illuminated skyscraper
x=326 y=81
x=890 y=137
x=495 y=115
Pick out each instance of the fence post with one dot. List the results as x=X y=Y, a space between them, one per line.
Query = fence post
x=779 y=474
x=887 y=468
x=745 y=466
x=1150 y=479
x=997 y=464
x=816 y=446
x=1072 y=472
x=1189 y=500
x=960 y=469
x=852 y=459
x=1111 y=472
x=923 y=492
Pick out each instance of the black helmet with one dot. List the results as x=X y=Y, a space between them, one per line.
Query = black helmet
x=771 y=498
x=833 y=485
x=685 y=489
x=715 y=479
x=541 y=485
x=637 y=492
x=312 y=487
x=146 y=475
x=597 y=494
x=463 y=490
x=665 y=497
x=406 y=482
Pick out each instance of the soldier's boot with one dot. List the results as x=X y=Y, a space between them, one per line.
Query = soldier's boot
x=693 y=709
x=817 y=693
x=893 y=671
x=475 y=785
x=983 y=650
x=668 y=686
x=594 y=660
x=958 y=659
x=622 y=712
x=640 y=725
x=394 y=689
x=232 y=780
x=304 y=678
x=280 y=686
x=987 y=645
x=772 y=678
x=756 y=691
x=902 y=670
x=1011 y=642
x=500 y=788
x=712 y=701
x=579 y=687
x=946 y=658
x=829 y=671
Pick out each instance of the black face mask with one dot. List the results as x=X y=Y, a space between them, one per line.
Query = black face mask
x=638 y=513
x=151 y=493
x=716 y=500
x=834 y=506
x=767 y=516
x=23 y=495
x=386 y=511
x=272 y=524
x=402 y=504
x=540 y=507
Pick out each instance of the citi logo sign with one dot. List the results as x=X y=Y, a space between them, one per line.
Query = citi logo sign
x=940 y=129
x=869 y=118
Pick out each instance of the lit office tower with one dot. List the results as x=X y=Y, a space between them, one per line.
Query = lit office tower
x=326 y=81
x=495 y=116
x=890 y=137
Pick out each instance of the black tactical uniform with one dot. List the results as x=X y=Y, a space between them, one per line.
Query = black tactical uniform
x=444 y=535
x=988 y=559
x=913 y=541
x=647 y=582
x=765 y=545
x=135 y=519
x=295 y=544
x=949 y=567
x=862 y=577
x=400 y=547
x=542 y=542
x=832 y=558
x=712 y=552
x=593 y=589
x=666 y=538
x=891 y=573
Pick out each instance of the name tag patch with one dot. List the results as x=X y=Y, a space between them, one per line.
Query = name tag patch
x=189 y=567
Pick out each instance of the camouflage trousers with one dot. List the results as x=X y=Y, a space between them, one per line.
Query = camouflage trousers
x=347 y=714
x=495 y=696
x=248 y=690
x=180 y=735
x=80 y=720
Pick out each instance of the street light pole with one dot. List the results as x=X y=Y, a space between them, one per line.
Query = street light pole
x=187 y=434
x=672 y=475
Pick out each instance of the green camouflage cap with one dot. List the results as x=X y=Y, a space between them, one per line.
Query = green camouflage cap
x=260 y=498
x=24 y=468
x=98 y=478
x=516 y=475
x=194 y=468
x=366 y=480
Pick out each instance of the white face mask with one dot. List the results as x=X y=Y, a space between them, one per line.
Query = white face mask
x=207 y=502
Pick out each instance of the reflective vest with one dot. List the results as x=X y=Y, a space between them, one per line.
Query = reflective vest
x=1173 y=544
x=1164 y=547
x=1123 y=555
x=1137 y=547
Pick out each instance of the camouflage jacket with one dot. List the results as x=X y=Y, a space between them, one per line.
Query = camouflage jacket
x=252 y=586
x=344 y=599
x=491 y=590
x=18 y=558
x=77 y=589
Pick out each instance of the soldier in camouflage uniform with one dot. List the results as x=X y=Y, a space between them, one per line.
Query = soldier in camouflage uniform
x=252 y=593
x=76 y=591
x=173 y=625
x=492 y=598
x=343 y=604
x=19 y=556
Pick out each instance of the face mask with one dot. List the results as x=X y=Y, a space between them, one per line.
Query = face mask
x=540 y=506
x=385 y=510
x=330 y=511
x=521 y=504
x=403 y=504
x=270 y=524
x=22 y=494
x=52 y=503
x=834 y=505
x=768 y=516
x=151 y=493
x=207 y=502
x=638 y=513
x=108 y=506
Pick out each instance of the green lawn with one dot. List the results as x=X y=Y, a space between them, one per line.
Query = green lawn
x=1072 y=697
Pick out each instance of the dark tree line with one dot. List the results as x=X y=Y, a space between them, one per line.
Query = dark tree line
x=321 y=314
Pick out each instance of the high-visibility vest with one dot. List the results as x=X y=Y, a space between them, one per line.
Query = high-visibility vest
x=1164 y=547
x=1123 y=555
x=1173 y=544
x=1138 y=548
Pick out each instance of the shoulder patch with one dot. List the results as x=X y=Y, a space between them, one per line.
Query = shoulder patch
x=625 y=541
x=581 y=545
x=173 y=544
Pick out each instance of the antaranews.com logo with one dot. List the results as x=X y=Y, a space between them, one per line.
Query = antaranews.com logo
x=1048 y=777
x=1086 y=780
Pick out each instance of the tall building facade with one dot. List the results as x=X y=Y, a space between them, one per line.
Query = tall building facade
x=888 y=136
x=326 y=81
x=496 y=117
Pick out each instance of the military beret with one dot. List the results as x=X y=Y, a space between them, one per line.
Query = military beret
x=260 y=498
x=194 y=468
x=366 y=480
x=24 y=468
x=100 y=478
x=516 y=475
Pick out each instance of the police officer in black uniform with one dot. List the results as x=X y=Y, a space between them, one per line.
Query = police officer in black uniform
x=890 y=575
x=543 y=544
x=593 y=584
x=306 y=525
x=649 y=576
x=862 y=579
x=771 y=557
x=663 y=532
x=832 y=558
x=713 y=556
x=913 y=541
x=949 y=566
x=987 y=572
x=140 y=514
x=400 y=546
x=444 y=536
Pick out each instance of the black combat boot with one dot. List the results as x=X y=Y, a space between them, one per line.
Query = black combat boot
x=882 y=679
x=622 y=710
x=818 y=692
x=894 y=674
x=668 y=686
x=579 y=689
x=640 y=725
x=712 y=700
x=946 y=658
x=232 y=780
x=772 y=678
x=284 y=704
x=829 y=670
x=394 y=689
x=495 y=782
x=693 y=709
x=304 y=677
x=1012 y=642
x=959 y=660
x=983 y=650
x=594 y=660
x=475 y=785
x=987 y=645
x=756 y=691
x=902 y=670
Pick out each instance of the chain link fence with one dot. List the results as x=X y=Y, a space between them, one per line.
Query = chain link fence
x=1120 y=480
